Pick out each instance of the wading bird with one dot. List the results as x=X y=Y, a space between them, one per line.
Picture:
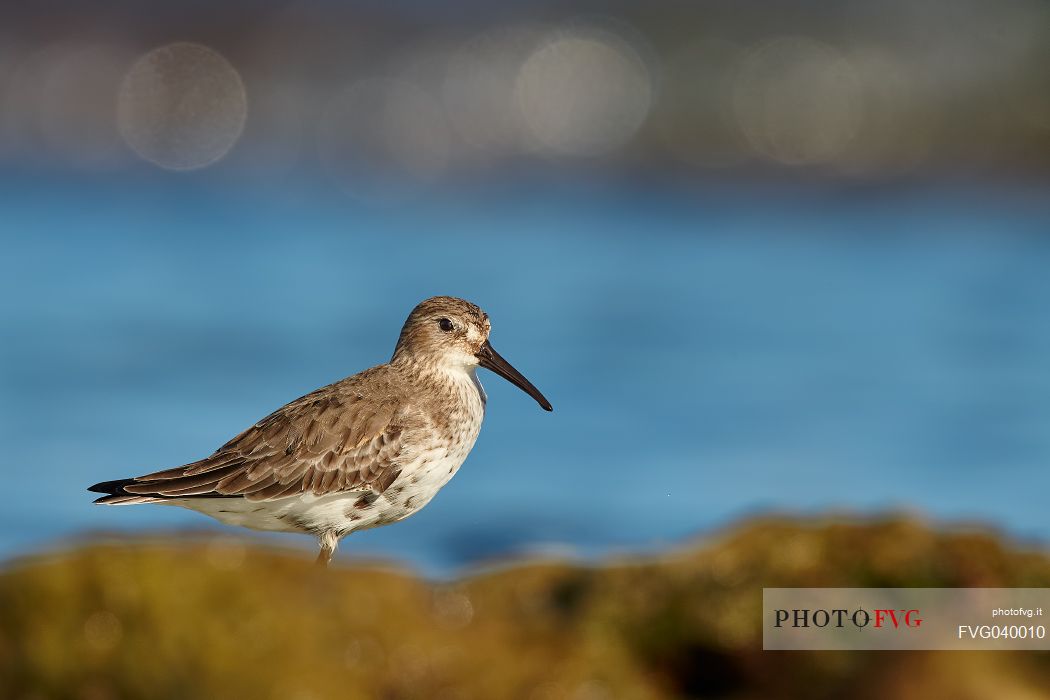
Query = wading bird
x=368 y=450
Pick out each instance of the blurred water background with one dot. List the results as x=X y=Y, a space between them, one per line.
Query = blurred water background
x=759 y=259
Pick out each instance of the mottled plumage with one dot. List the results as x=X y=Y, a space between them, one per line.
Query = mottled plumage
x=365 y=451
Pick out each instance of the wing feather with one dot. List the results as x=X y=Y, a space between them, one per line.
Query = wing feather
x=330 y=440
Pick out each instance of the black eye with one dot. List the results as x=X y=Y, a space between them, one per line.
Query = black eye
x=446 y=325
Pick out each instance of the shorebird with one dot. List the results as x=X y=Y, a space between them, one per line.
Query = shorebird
x=366 y=451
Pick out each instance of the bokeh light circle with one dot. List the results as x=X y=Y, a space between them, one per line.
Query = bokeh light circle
x=798 y=102
x=583 y=93
x=182 y=106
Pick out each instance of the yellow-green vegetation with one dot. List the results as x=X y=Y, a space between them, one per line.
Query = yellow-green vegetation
x=218 y=619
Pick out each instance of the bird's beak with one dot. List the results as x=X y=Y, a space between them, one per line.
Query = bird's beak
x=490 y=359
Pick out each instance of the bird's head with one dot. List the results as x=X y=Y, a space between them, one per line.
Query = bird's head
x=454 y=334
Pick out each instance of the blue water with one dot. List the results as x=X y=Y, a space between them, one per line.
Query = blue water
x=711 y=352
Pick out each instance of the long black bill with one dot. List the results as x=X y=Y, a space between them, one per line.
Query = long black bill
x=490 y=359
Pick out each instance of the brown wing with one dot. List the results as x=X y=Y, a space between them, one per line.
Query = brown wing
x=325 y=442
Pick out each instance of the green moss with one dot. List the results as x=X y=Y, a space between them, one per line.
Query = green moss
x=217 y=619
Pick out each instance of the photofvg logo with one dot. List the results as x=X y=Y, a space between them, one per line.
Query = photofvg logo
x=904 y=618
x=839 y=617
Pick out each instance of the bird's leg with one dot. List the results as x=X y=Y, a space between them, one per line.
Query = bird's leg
x=328 y=542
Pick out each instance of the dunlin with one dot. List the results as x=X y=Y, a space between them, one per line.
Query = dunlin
x=366 y=451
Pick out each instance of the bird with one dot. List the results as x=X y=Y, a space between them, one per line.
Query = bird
x=365 y=451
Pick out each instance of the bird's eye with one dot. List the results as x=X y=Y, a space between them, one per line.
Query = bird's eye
x=446 y=325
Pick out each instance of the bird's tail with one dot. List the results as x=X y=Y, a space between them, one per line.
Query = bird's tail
x=117 y=496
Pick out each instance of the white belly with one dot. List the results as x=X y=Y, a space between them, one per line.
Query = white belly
x=342 y=512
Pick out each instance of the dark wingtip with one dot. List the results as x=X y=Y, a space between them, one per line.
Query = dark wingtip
x=547 y=407
x=113 y=488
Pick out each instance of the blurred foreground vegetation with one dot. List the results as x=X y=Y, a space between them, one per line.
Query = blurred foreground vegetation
x=219 y=619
